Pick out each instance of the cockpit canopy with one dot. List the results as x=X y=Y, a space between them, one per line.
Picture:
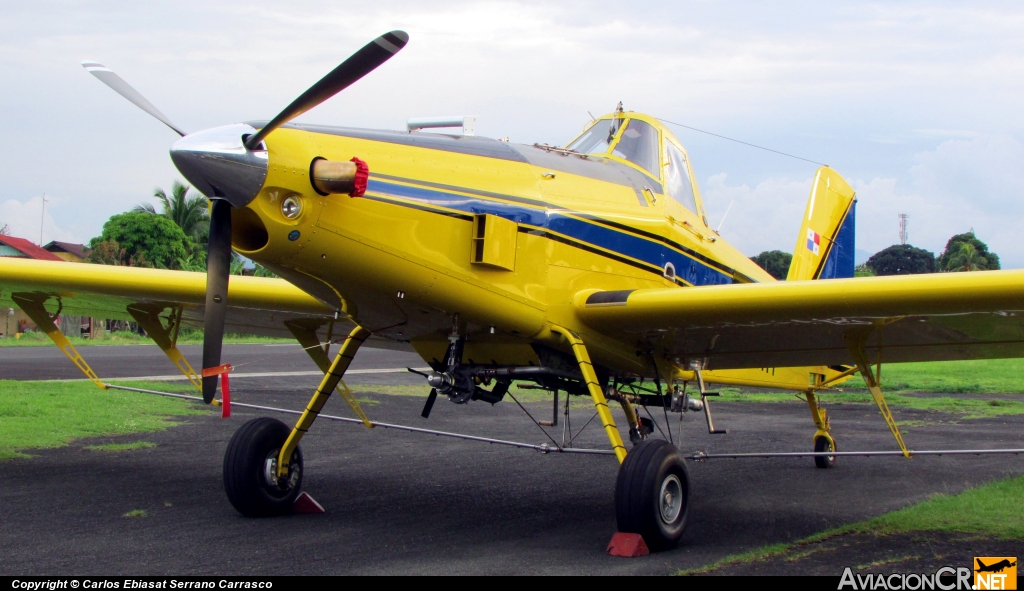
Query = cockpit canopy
x=639 y=142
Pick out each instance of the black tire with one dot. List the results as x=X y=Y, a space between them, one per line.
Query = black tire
x=649 y=468
x=821 y=445
x=245 y=467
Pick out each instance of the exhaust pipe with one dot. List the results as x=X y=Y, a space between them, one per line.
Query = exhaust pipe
x=334 y=178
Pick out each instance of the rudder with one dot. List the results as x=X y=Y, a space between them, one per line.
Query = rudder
x=825 y=246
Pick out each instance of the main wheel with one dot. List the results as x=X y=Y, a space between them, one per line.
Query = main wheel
x=823 y=445
x=250 y=469
x=652 y=494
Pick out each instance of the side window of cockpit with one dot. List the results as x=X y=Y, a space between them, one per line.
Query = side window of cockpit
x=677 y=179
x=639 y=144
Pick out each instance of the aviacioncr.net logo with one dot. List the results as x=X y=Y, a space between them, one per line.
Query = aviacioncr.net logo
x=946 y=578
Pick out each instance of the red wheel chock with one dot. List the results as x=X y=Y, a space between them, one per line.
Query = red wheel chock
x=306 y=504
x=627 y=545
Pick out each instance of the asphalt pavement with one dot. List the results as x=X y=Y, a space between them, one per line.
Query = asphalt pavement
x=407 y=503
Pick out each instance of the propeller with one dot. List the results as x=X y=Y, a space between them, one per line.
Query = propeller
x=118 y=85
x=218 y=271
x=361 y=63
x=229 y=177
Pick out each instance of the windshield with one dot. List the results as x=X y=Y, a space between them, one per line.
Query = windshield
x=595 y=140
x=639 y=144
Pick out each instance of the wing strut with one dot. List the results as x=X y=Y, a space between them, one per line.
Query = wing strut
x=310 y=343
x=855 y=341
x=166 y=337
x=594 y=387
x=35 y=310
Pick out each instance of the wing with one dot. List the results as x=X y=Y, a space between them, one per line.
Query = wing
x=786 y=324
x=256 y=305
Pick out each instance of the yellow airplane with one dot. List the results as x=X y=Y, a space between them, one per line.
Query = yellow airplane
x=589 y=268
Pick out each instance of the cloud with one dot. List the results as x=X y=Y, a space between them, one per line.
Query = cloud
x=946 y=133
x=766 y=217
x=868 y=87
x=959 y=185
x=23 y=220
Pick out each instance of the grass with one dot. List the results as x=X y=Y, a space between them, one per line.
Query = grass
x=135 y=513
x=187 y=337
x=1004 y=376
x=40 y=415
x=116 y=447
x=994 y=510
x=962 y=407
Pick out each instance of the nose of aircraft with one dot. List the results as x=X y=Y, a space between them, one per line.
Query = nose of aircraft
x=217 y=163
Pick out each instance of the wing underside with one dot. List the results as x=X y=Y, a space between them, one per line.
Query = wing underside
x=786 y=324
x=256 y=305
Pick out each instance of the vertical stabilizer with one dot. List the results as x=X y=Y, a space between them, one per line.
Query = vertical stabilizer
x=825 y=245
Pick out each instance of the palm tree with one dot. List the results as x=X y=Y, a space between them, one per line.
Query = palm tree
x=190 y=213
x=967 y=259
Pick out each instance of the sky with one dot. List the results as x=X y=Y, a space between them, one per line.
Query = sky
x=916 y=104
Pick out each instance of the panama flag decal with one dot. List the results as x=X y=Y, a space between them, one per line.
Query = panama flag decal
x=813 y=241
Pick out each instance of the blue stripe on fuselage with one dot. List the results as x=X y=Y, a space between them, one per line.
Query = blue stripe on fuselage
x=688 y=269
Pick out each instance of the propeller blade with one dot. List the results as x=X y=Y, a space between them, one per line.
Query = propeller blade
x=118 y=85
x=360 y=64
x=218 y=269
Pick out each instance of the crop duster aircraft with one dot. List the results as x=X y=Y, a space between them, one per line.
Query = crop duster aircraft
x=589 y=268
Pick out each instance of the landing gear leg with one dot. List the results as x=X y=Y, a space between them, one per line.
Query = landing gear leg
x=823 y=441
x=594 y=387
x=263 y=463
x=652 y=491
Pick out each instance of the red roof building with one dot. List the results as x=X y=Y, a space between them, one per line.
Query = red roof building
x=19 y=247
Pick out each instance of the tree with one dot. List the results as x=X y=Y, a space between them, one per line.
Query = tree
x=143 y=239
x=967 y=259
x=902 y=259
x=775 y=262
x=5 y=230
x=190 y=213
x=863 y=270
x=953 y=249
x=107 y=252
x=261 y=271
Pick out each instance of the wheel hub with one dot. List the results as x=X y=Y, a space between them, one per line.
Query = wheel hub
x=270 y=473
x=671 y=499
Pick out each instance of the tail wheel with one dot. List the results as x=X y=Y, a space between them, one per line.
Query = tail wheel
x=652 y=494
x=824 y=445
x=250 y=469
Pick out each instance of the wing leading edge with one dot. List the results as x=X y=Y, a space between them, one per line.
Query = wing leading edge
x=787 y=324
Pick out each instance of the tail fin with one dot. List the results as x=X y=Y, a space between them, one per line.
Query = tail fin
x=825 y=245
